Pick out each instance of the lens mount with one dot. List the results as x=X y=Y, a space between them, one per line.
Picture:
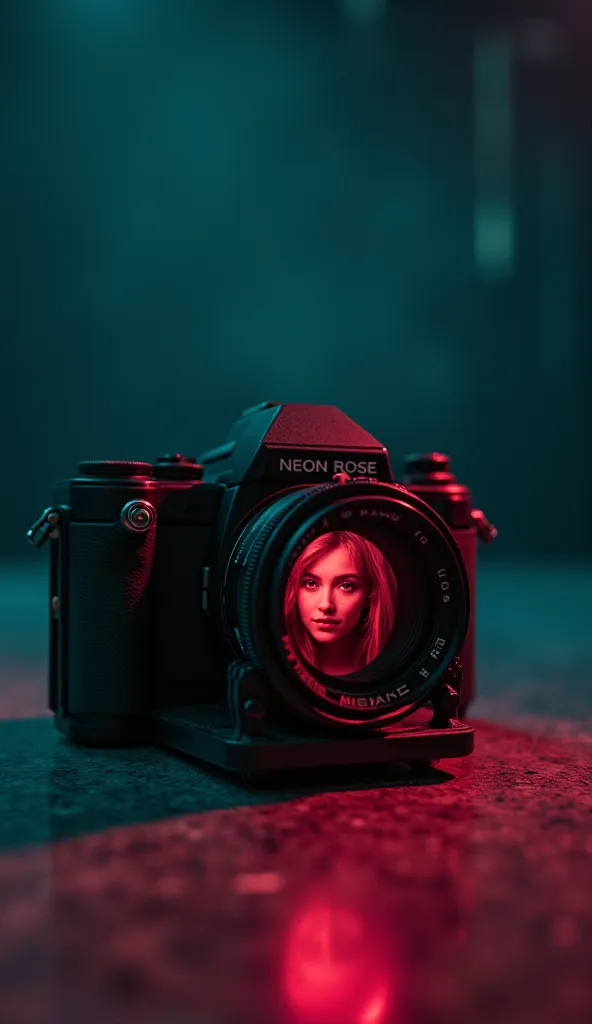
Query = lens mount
x=430 y=620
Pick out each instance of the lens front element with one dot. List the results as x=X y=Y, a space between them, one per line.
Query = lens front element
x=351 y=598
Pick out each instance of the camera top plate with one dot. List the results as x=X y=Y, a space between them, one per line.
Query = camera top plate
x=293 y=444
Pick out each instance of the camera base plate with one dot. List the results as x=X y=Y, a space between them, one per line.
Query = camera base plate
x=207 y=733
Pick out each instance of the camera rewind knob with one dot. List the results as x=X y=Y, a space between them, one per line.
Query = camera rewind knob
x=429 y=467
x=138 y=516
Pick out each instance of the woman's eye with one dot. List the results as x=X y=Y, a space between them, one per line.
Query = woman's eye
x=308 y=584
x=348 y=587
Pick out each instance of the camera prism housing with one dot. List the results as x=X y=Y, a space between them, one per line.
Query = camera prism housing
x=282 y=603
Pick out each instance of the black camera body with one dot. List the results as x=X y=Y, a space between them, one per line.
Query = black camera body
x=169 y=614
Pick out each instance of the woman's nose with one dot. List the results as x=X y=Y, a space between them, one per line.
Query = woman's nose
x=326 y=601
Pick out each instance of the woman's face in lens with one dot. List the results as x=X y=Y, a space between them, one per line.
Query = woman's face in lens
x=331 y=596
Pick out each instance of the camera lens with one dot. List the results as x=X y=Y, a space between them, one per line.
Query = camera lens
x=351 y=598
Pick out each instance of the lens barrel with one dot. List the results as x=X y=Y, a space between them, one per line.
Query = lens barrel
x=430 y=619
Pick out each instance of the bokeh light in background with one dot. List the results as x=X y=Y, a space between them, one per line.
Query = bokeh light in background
x=365 y=11
x=380 y=205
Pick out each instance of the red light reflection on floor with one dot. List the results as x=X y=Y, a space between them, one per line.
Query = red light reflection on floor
x=339 y=965
x=374 y=1012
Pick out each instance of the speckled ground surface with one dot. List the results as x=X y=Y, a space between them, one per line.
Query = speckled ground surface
x=136 y=886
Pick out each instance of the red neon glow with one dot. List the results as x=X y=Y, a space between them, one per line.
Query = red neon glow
x=373 y=1013
x=336 y=967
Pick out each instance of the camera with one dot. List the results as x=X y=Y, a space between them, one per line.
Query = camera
x=282 y=603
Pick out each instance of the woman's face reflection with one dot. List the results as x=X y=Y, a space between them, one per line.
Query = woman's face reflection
x=339 y=602
x=331 y=596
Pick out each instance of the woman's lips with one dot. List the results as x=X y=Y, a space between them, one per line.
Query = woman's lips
x=327 y=624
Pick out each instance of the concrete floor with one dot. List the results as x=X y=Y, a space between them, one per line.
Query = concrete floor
x=138 y=886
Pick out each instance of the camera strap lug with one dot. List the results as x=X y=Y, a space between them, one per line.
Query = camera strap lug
x=46 y=528
x=486 y=530
x=247 y=700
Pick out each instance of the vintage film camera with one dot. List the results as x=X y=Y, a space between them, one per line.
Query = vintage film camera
x=283 y=604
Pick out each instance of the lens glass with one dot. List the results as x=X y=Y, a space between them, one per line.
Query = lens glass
x=351 y=600
x=340 y=603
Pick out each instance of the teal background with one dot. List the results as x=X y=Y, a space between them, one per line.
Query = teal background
x=208 y=203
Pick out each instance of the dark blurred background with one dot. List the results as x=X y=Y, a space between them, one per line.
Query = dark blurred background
x=379 y=205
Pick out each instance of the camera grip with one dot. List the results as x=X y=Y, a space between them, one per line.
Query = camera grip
x=109 y=642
